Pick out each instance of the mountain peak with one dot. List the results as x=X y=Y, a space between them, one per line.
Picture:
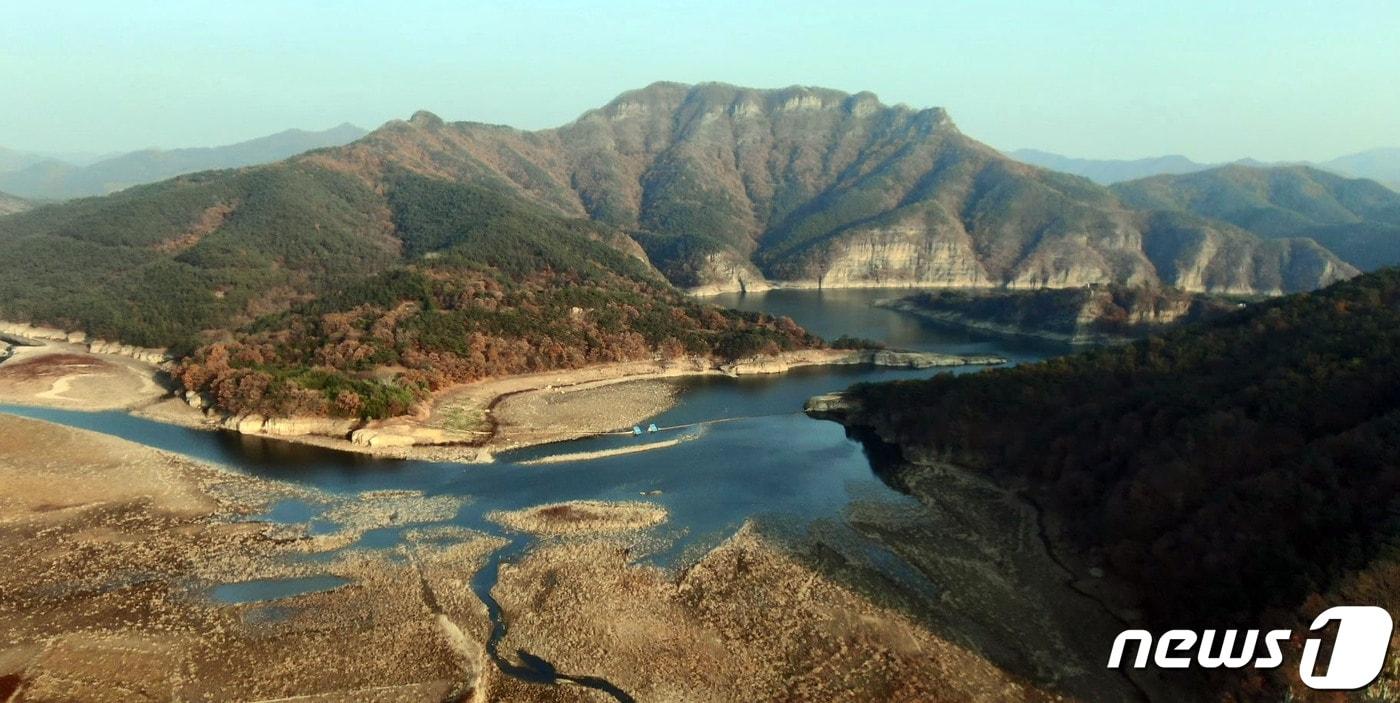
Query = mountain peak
x=425 y=120
x=715 y=98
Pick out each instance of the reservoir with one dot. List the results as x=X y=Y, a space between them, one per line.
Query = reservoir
x=748 y=455
x=766 y=461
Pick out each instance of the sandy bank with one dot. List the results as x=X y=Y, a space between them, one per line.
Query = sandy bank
x=111 y=549
x=582 y=517
x=64 y=375
x=466 y=424
x=605 y=453
x=471 y=422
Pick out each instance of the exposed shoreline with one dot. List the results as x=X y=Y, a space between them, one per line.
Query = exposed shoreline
x=752 y=614
x=763 y=286
x=465 y=424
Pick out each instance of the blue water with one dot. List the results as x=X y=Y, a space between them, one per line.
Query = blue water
x=259 y=590
x=766 y=462
x=775 y=465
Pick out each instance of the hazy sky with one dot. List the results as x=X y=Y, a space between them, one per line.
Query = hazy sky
x=1212 y=80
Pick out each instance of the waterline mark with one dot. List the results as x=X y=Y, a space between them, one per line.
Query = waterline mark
x=1358 y=650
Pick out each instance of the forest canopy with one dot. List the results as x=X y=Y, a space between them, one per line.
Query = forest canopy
x=1224 y=468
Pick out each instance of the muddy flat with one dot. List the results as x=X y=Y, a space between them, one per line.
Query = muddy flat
x=67 y=376
x=110 y=547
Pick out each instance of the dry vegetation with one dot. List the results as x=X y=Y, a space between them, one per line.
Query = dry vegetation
x=748 y=623
x=582 y=516
x=109 y=547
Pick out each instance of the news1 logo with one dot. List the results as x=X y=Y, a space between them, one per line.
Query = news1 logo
x=1358 y=652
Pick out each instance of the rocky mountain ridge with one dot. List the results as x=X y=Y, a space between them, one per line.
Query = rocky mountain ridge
x=728 y=188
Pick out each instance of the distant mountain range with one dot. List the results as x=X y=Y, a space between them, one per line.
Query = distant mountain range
x=46 y=178
x=1381 y=165
x=1357 y=219
x=13 y=160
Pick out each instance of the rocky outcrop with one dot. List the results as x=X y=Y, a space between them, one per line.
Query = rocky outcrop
x=255 y=424
x=730 y=188
x=22 y=332
x=829 y=406
x=781 y=363
x=398 y=434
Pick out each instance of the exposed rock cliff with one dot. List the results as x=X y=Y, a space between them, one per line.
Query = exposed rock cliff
x=726 y=186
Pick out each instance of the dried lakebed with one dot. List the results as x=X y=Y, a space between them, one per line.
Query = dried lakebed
x=768 y=560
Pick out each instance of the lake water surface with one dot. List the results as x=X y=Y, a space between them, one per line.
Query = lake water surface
x=762 y=461
x=772 y=464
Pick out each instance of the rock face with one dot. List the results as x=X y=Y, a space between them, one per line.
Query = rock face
x=781 y=363
x=728 y=188
x=255 y=424
x=828 y=406
x=25 y=331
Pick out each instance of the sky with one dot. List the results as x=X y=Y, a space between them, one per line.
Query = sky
x=1278 y=80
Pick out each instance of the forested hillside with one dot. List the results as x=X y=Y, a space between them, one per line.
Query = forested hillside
x=1228 y=470
x=494 y=288
x=1355 y=218
x=9 y=204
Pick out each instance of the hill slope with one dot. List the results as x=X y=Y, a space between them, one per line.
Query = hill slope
x=9 y=204
x=1356 y=218
x=56 y=180
x=1222 y=472
x=297 y=289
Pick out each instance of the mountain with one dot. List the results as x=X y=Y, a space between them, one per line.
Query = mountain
x=327 y=286
x=1231 y=479
x=454 y=251
x=11 y=160
x=1358 y=219
x=58 y=180
x=1381 y=165
x=1109 y=171
x=728 y=187
x=9 y=204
